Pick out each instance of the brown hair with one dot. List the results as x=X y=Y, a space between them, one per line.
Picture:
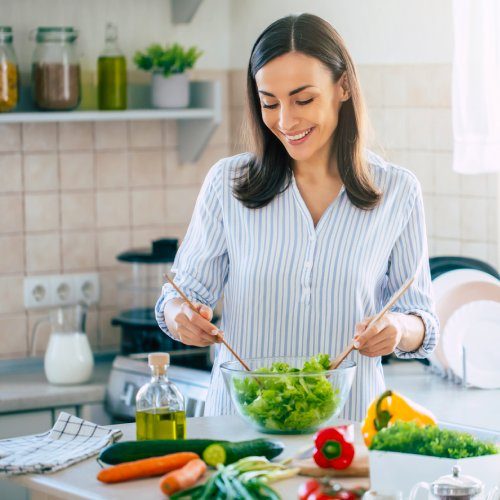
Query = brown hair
x=269 y=172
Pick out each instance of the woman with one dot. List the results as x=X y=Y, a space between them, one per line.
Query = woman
x=309 y=236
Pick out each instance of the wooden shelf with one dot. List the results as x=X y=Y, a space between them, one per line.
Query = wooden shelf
x=196 y=123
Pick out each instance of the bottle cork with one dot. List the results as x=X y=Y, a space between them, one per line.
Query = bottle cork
x=159 y=359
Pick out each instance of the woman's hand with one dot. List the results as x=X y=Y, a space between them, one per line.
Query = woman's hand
x=382 y=337
x=191 y=328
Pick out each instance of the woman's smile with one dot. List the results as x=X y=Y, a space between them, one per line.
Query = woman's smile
x=296 y=138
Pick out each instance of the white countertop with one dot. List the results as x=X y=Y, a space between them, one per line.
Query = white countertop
x=79 y=481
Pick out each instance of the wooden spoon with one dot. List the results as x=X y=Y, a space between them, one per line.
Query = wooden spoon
x=193 y=308
x=334 y=364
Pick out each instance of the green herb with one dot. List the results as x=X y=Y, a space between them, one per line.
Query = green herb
x=289 y=402
x=246 y=479
x=408 y=437
x=169 y=60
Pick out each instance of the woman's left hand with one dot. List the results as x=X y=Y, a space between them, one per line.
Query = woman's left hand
x=381 y=338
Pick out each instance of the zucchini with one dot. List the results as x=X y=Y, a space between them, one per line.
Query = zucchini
x=127 y=451
x=226 y=453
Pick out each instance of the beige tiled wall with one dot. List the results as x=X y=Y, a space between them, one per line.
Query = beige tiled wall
x=74 y=195
x=410 y=112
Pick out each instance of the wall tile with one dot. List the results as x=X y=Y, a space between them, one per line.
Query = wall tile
x=148 y=207
x=12 y=254
x=39 y=136
x=74 y=136
x=10 y=137
x=447 y=180
x=109 y=244
x=77 y=210
x=42 y=212
x=43 y=253
x=111 y=169
x=222 y=133
x=429 y=214
x=180 y=204
x=11 y=294
x=395 y=132
x=170 y=139
x=41 y=172
x=143 y=236
x=177 y=174
x=492 y=220
x=109 y=281
x=493 y=255
x=419 y=128
x=11 y=179
x=475 y=250
x=474 y=219
x=43 y=329
x=474 y=185
x=394 y=86
x=447 y=212
x=442 y=137
x=92 y=327
x=110 y=135
x=145 y=134
x=11 y=208
x=493 y=181
x=446 y=247
x=109 y=336
x=146 y=168
x=422 y=164
x=236 y=122
x=78 y=251
x=112 y=208
x=13 y=336
x=237 y=87
x=77 y=170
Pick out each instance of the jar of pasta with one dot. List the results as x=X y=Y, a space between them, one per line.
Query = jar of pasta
x=9 y=72
x=55 y=71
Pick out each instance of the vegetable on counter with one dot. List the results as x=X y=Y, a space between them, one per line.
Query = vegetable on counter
x=227 y=453
x=183 y=478
x=128 y=451
x=246 y=479
x=390 y=407
x=409 y=437
x=289 y=402
x=334 y=447
x=325 y=489
x=147 y=467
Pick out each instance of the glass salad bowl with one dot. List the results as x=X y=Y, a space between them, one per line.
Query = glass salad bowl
x=288 y=395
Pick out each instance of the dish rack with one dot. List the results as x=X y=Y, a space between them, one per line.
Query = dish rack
x=448 y=373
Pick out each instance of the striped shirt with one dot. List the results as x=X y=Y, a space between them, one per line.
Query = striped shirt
x=293 y=289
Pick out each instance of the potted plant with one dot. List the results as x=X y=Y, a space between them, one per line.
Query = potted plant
x=169 y=82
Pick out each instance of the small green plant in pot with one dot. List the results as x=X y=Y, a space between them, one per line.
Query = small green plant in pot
x=169 y=82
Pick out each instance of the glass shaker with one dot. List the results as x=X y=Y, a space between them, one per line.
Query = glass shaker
x=55 y=70
x=160 y=411
x=9 y=72
x=112 y=73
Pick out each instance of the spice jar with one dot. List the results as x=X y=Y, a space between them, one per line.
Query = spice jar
x=55 y=72
x=9 y=72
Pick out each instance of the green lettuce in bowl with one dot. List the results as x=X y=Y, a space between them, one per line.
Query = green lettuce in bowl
x=278 y=397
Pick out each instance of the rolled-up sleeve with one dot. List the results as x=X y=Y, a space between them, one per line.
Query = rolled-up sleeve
x=410 y=258
x=201 y=263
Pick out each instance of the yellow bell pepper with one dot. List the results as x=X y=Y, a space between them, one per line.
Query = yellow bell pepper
x=389 y=407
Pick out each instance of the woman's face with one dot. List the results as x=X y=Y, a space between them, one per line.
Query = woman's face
x=300 y=104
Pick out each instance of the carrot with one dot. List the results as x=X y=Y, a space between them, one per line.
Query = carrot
x=183 y=478
x=147 y=467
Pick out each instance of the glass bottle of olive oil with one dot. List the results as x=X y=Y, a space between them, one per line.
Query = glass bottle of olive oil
x=160 y=411
x=112 y=73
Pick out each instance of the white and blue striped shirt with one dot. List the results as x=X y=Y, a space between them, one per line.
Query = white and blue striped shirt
x=293 y=289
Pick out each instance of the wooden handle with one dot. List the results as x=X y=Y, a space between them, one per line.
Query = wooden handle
x=193 y=308
x=335 y=363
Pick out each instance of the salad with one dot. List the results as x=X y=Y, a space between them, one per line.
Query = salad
x=293 y=401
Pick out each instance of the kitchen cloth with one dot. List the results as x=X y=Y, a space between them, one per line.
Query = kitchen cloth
x=71 y=440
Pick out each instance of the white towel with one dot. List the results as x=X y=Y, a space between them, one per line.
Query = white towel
x=71 y=440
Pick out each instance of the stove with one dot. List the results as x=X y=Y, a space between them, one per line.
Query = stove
x=130 y=373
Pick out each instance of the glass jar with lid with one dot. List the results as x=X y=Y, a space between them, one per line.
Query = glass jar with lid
x=55 y=70
x=9 y=72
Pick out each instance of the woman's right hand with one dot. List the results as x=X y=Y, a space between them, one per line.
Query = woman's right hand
x=191 y=328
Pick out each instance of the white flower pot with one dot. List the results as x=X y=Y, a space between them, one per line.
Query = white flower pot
x=170 y=92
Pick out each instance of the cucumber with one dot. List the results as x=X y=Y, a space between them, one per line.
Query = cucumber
x=226 y=453
x=127 y=451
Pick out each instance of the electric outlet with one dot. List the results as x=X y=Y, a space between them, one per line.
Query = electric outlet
x=62 y=290
x=87 y=288
x=37 y=292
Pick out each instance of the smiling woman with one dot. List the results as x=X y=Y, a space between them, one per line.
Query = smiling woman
x=309 y=234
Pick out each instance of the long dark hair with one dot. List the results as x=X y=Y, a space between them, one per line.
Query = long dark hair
x=269 y=172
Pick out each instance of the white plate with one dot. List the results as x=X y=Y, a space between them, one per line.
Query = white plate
x=475 y=327
x=443 y=287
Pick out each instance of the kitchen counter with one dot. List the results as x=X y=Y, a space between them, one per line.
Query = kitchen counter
x=79 y=481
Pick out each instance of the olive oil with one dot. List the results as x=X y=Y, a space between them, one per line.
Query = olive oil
x=160 y=424
x=160 y=411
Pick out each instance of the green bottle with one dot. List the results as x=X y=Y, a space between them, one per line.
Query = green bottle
x=112 y=73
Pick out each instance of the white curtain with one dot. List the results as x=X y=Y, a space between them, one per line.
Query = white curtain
x=476 y=86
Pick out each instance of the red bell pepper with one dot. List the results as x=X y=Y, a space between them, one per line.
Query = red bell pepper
x=326 y=489
x=334 y=447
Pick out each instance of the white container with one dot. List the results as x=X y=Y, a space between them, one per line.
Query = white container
x=171 y=91
x=402 y=471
